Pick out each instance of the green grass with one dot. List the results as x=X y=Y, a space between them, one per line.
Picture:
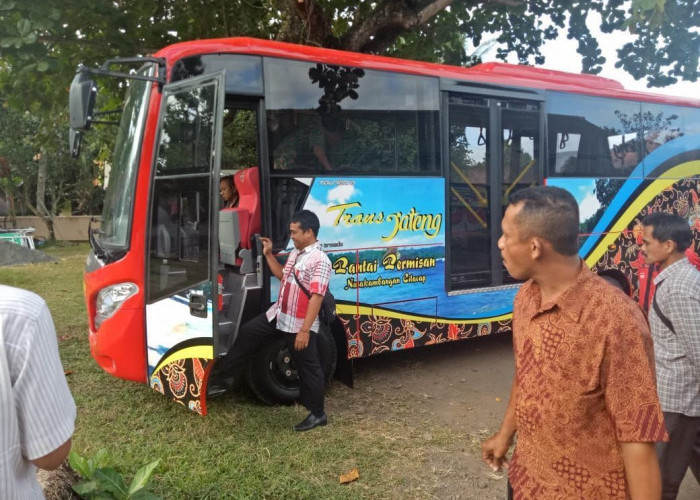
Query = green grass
x=241 y=449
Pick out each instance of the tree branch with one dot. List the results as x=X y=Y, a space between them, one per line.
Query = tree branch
x=318 y=25
x=373 y=34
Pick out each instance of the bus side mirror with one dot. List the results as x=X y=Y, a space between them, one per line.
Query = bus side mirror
x=75 y=139
x=82 y=100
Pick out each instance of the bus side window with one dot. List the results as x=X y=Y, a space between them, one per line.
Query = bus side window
x=592 y=136
x=324 y=118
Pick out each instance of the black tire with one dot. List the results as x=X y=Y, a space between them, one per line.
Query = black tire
x=273 y=377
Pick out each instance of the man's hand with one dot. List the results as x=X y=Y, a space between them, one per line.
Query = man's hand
x=267 y=246
x=494 y=449
x=301 y=340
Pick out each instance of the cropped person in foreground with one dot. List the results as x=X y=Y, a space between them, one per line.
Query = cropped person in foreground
x=583 y=401
x=37 y=412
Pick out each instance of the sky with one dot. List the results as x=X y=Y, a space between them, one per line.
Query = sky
x=560 y=54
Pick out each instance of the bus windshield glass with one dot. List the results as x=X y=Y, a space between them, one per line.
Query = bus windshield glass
x=119 y=198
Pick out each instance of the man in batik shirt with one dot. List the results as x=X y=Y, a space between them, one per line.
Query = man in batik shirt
x=584 y=401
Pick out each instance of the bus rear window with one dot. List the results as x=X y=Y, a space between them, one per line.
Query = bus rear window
x=325 y=119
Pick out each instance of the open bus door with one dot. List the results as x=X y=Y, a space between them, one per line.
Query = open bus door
x=181 y=277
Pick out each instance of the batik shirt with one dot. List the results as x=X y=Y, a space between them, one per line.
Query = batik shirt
x=584 y=369
x=677 y=352
x=313 y=269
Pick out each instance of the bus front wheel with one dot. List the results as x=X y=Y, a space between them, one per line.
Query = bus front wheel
x=272 y=375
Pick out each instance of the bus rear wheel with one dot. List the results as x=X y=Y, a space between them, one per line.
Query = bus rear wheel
x=272 y=376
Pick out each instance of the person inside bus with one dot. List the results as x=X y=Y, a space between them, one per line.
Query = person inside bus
x=228 y=192
x=303 y=146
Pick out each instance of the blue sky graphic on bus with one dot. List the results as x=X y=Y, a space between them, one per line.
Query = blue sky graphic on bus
x=386 y=240
x=583 y=189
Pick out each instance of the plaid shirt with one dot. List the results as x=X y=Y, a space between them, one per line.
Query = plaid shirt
x=313 y=268
x=678 y=354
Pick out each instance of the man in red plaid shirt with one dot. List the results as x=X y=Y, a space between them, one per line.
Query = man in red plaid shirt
x=295 y=315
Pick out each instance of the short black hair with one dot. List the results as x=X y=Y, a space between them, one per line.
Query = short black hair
x=306 y=220
x=550 y=213
x=228 y=180
x=667 y=227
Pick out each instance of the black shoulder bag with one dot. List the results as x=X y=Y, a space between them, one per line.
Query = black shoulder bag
x=658 y=312
x=327 y=312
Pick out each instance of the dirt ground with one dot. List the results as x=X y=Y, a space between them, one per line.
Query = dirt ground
x=461 y=387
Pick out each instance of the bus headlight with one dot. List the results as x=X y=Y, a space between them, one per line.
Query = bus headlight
x=110 y=299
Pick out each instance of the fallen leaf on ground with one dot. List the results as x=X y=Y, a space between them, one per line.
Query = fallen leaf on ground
x=351 y=476
x=68 y=372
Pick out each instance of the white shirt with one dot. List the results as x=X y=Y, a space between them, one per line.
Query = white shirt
x=37 y=412
x=312 y=267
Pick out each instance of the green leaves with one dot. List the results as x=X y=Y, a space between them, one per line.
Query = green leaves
x=142 y=477
x=23 y=35
x=86 y=467
x=105 y=483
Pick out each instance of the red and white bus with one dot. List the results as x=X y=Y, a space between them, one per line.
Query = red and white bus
x=408 y=165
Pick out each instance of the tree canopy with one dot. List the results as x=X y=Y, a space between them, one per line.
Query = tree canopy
x=43 y=41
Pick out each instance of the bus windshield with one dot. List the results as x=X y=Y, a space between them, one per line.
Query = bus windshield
x=119 y=198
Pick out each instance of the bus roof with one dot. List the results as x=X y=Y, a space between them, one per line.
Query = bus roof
x=511 y=76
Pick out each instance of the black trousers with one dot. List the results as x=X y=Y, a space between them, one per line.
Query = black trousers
x=681 y=452
x=312 y=384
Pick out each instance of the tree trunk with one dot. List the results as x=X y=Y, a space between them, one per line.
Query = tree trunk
x=41 y=196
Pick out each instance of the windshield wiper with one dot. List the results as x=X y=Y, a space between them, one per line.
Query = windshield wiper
x=100 y=251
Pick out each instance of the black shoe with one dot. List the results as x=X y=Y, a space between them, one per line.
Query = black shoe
x=310 y=422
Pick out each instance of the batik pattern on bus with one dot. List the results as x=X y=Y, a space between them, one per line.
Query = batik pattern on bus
x=625 y=254
x=672 y=185
x=183 y=382
x=180 y=348
x=384 y=331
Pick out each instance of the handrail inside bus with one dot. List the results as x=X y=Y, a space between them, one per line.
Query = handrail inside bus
x=516 y=180
x=468 y=207
x=468 y=183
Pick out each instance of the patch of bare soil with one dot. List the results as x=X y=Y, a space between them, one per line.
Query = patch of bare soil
x=12 y=254
x=57 y=483
x=451 y=396
x=458 y=391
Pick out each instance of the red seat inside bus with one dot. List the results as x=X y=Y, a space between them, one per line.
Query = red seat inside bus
x=248 y=186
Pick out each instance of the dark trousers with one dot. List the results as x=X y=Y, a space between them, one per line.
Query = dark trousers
x=312 y=384
x=681 y=452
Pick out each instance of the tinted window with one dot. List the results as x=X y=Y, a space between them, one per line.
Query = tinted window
x=470 y=185
x=662 y=124
x=592 y=136
x=181 y=198
x=243 y=73
x=324 y=119
x=179 y=254
x=187 y=131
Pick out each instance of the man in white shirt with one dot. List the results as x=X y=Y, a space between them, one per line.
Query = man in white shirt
x=37 y=412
